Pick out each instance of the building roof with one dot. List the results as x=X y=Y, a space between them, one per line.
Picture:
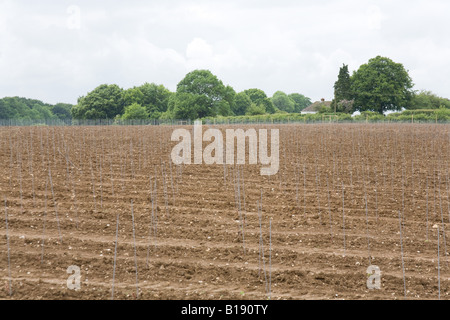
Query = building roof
x=317 y=105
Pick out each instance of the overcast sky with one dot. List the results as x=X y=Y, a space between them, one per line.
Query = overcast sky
x=57 y=51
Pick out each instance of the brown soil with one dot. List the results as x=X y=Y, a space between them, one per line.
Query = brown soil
x=198 y=245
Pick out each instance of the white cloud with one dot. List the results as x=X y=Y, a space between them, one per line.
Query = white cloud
x=199 y=49
x=285 y=45
x=220 y=58
x=374 y=17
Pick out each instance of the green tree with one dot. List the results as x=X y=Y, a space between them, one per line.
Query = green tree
x=155 y=98
x=427 y=100
x=241 y=103
x=268 y=105
x=104 y=102
x=260 y=98
x=381 y=85
x=223 y=109
x=342 y=88
x=230 y=98
x=135 y=112
x=300 y=102
x=133 y=95
x=40 y=112
x=283 y=102
x=62 y=111
x=255 y=110
x=202 y=82
x=256 y=95
x=190 y=106
x=13 y=108
x=201 y=94
x=25 y=109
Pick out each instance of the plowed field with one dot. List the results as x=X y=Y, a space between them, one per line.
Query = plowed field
x=110 y=201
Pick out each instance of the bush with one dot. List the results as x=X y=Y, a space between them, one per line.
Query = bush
x=135 y=112
x=255 y=110
x=370 y=116
x=345 y=117
x=443 y=114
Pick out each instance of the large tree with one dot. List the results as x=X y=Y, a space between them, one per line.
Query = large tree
x=202 y=82
x=230 y=98
x=201 y=94
x=155 y=98
x=104 y=102
x=342 y=88
x=242 y=103
x=189 y=106
x=256 y=95
x=260 y=98
x=381 y=85
x=300 y=102
x=282 y=101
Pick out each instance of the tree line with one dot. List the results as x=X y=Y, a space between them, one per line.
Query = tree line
x=378 y=86
x=29 y=109
x=199 y=95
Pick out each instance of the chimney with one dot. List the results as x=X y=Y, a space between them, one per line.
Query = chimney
x=323 y=100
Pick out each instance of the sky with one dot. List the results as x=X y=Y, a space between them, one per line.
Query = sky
x=58 y=51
